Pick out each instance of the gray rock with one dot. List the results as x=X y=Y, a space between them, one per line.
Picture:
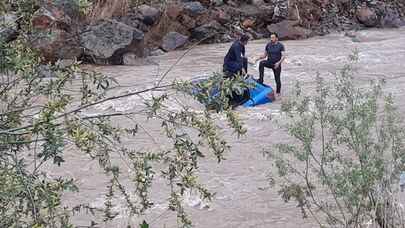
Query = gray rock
x=173 y=40
x=231 y=3
x=260 y=13
x=217 y=2
x=8 y=27
x=63 y=63
x=150 y=14
x=157 y=52
x=391 y=19
x=222 y=17
x=54 y=34
x=46 y=71
x=206 y=30
x=49 y=16
x=108 y=40
x=280 y=10
x=130 y=59
x=342 y=2
x=194 y=8
x=135 y=20
x=69 y=7
x=367 y=17
x=351 y=34
x=258 y=3
x=257 y=12
x=288 y=30
x=56 y=44
x=255 y=35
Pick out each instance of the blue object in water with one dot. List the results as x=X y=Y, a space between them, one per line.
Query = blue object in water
x=259 y=94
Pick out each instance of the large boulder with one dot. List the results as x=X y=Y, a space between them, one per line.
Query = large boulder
x=193 y=15
x=173 y=40
x=217 y=2
x=208 y=32
x=133 y=19
x=166 y=24
x=69 y=7
x=8 y=27
x=181 y=17
x=54 y=34
x=258 y=3
x=107 y=40
x=173 y=11
x=194 y=8
x=56 y=44
x=206 y=2
x=221 y=16
x=262 y=13
x=50 y=16
x=281 y=8
x=246 y=16
x=187 y=21
x=391 y=19
x=289 y=30
x=366 y=16
x=248 y=23
x=308 y=12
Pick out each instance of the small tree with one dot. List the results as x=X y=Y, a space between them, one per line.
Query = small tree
x=344 y=165
x=41 y=116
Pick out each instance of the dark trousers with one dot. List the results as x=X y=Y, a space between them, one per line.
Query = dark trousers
x=277 y=72
x=232 y=68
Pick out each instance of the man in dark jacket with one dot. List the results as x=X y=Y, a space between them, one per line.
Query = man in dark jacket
x=235 y=61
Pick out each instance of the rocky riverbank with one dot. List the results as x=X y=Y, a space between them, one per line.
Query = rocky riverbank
x=61 y=30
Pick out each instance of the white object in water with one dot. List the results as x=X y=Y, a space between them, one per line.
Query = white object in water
x=402 y=181
x=192 y=199
x=255 y=65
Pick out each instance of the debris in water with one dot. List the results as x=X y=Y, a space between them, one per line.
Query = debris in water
x=195 y=201
x=402 y=181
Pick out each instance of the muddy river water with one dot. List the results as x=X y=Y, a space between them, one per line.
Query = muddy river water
x=243 y=199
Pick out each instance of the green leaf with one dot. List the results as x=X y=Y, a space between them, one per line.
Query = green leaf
x=144 y=224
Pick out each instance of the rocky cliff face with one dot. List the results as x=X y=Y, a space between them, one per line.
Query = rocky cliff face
x=61 y=33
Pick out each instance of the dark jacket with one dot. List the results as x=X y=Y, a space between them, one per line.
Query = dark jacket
x=233 y=61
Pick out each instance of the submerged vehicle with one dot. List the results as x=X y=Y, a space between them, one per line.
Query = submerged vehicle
x=255 y=94
x=259 y=94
